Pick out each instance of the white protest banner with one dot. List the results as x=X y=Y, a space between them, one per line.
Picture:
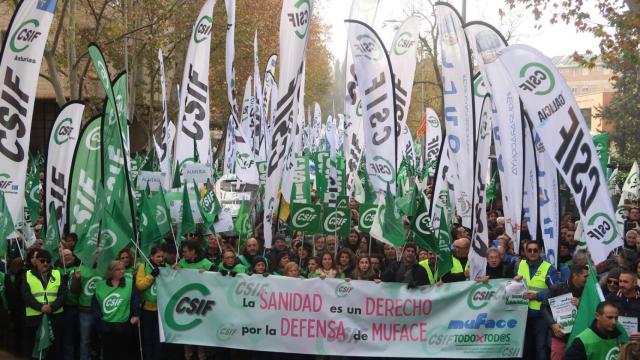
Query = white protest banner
x=338 y=318
x=403 y=60
x=480 y=238
x=199 y=173
x=20 y=60
x=294 y=30
x=558 y=121
x=62 y=144
x=193 y=114
x=433 y=143
x=376 y=82
x=458 y=106
x=507 y=128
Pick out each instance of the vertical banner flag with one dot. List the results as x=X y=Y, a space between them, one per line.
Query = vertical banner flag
x=403 y=60
x=164 y=156
x=230 y=148
x=507 y=128
x=630 y=190
x=259 y=144
x=62 y=144
x=363 y=10
x=20 y=60
x=548 y=200
x=458 y=106
x=294 y=31
x=434 y=139
x=193 y=114
x=530 y=188
x=86 y=176
x=564 y=133
x=268 y=82
x=375 y=77
x=601 y=141
x=245 y=168
x=480 y=238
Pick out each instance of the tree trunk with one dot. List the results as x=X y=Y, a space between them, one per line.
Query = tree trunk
x=53 y=77
x=70 y=42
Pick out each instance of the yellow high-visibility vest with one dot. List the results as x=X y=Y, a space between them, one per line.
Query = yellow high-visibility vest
x=537 y=283
x=42 y=295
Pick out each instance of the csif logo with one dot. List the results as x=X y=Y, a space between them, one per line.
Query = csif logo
x=63 y=131
x=602 y=228
x=92 y=141
x=480 y=295
x=244 y=161
x=108 y=239
x=423 y=223
x=25 y=35
x=300 y=18
x=367 y=217
x=537 y=78
x=90 y=286
x=403 y=43
x=111 y=303
x=336 y=220
x=304 y=217
x=368 y=47
x=7 y=185
x=193 y=307
x=343 y=289
x=202 y=30
x=383 y=169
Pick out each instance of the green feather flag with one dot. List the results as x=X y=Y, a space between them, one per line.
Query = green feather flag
x=6 y=225
x=52 y=238
x=242 y=226
x=44 y=338
x=187 y=224
x=150 y=234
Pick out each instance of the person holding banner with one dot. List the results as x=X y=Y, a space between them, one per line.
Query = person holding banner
x=538 y=276
x=116 y=308
x=407 y=270
x=259 y=266
x=460 y=261
x=251 y=250
x=574 y=286
x=627 y=299
x=328 y=267
x=230 y=264
x=43 y=292
x=146 y=283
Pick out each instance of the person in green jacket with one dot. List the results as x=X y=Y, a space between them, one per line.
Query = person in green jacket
x=601 y=340
x=230 y=263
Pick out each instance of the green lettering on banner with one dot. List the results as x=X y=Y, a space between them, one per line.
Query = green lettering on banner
x=337 y=318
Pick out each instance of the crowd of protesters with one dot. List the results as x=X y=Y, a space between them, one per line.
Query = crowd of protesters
x=74 y=294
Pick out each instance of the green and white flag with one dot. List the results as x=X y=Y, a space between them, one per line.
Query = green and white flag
x=601 y=142
x=208 y=203
x=187 y=224
x=336 y=221
x=613 y=187
x=162 y=214
x=423 y=234
x=150 y=234
x=6 y=225
x=322 y=160
x=44 y=338
x=630 y=192
x=52 y=239
x=388 y=225
x=86 y=176
x=301 y=184
x=115 y=235
x=306 y=217
x=242 y=225
x=443 y=252
x=367 y=214
x=33 y=190
x=21 y=56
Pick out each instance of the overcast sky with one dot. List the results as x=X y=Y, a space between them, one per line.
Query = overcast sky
x=552 y=40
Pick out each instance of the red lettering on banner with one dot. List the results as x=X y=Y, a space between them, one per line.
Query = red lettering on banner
x=389 y=307
x=416 y=332
x=312 y=328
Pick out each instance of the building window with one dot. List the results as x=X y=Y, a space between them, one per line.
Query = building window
x=573 y=90
x=585 y=71
x=586 y=114
x=585 y=90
